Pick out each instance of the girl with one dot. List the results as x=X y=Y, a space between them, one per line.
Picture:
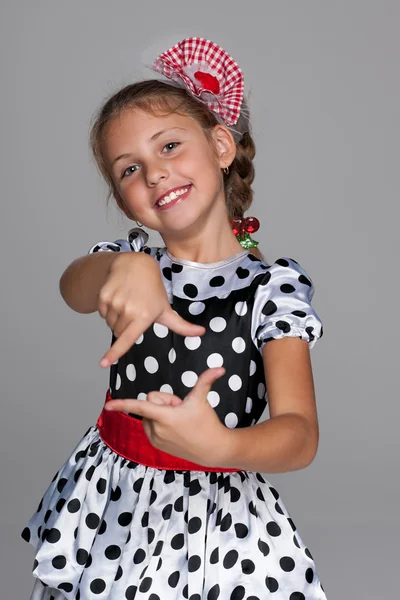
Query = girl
x=163 y=498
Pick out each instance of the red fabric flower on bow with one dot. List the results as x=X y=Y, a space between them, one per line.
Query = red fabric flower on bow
x=242 y=226
x=209 y=73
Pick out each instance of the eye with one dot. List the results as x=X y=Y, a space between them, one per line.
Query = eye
x=126 y=172
x=171 y=145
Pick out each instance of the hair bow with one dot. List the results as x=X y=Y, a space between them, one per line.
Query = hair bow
x=208 y=72
x=242 y=228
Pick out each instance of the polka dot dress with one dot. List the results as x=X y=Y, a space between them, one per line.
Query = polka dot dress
x=111 y=529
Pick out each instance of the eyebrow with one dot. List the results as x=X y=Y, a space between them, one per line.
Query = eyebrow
x=154 y=137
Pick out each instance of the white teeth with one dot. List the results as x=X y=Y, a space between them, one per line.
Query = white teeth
x=172 y=196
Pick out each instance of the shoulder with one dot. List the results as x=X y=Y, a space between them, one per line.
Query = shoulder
x=135 y=241
x=286 y=276
x=282 y=304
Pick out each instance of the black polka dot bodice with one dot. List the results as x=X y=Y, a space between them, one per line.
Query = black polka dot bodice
x=242 y=302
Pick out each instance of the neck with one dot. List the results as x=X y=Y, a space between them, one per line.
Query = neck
x=207 y=242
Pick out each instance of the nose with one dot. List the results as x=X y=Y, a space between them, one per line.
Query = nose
x=155 y=172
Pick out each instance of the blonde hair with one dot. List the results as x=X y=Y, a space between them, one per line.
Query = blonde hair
x=155 y=96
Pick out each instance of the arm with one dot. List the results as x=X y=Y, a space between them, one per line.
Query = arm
x=288 y=441
x=107 y=282
x=83 y=279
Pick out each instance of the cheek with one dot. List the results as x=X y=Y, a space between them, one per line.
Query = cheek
x=200 y=155
x=123 y=206
x=118 y=195
x=132 y=190
x=127 y=200
x=206 y=163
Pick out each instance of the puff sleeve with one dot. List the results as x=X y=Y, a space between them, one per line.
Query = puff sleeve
x=134 y=242
x=282 y=305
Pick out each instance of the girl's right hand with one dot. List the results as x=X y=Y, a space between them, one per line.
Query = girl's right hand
x=132 y=299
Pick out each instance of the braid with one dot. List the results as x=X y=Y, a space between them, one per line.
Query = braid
x=238 y=190
x=239 y=193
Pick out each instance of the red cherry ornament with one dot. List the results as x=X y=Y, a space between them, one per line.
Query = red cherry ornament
x=252 y=225
x=237 y=226
x=242 y=228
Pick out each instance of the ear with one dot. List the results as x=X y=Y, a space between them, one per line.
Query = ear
x=225 y=145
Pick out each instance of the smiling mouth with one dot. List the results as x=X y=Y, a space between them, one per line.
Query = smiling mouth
x=173 y=197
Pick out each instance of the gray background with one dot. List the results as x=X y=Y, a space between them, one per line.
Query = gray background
x=324 y=93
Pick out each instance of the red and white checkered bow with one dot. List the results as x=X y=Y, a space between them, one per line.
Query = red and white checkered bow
x=209 y=73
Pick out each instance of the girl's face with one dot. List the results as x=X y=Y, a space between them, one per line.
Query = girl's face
x=166 y=171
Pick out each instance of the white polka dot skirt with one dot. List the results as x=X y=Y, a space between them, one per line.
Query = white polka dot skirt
x=111 y=529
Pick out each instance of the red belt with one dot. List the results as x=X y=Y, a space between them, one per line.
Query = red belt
x=126 y=436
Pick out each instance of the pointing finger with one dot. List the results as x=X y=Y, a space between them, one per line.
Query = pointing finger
x=125 y=341
x=176 y=323
x=148 y=410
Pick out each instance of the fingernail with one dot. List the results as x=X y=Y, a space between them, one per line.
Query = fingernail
x=104 y=362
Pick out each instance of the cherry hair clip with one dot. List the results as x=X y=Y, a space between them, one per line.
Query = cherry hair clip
x=242 y=228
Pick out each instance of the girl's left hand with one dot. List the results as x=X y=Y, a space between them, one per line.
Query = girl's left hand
x=189 y=428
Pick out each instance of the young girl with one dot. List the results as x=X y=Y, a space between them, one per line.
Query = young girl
x=164 y=498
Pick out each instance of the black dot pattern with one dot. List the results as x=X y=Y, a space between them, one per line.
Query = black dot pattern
x=110 y=528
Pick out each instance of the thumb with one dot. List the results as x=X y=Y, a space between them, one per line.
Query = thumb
x=176 y=323
x=204 y=382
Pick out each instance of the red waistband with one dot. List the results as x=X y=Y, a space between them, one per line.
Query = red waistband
x=125 y=435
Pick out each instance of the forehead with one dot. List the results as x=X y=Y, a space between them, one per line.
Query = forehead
x=134 y=126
